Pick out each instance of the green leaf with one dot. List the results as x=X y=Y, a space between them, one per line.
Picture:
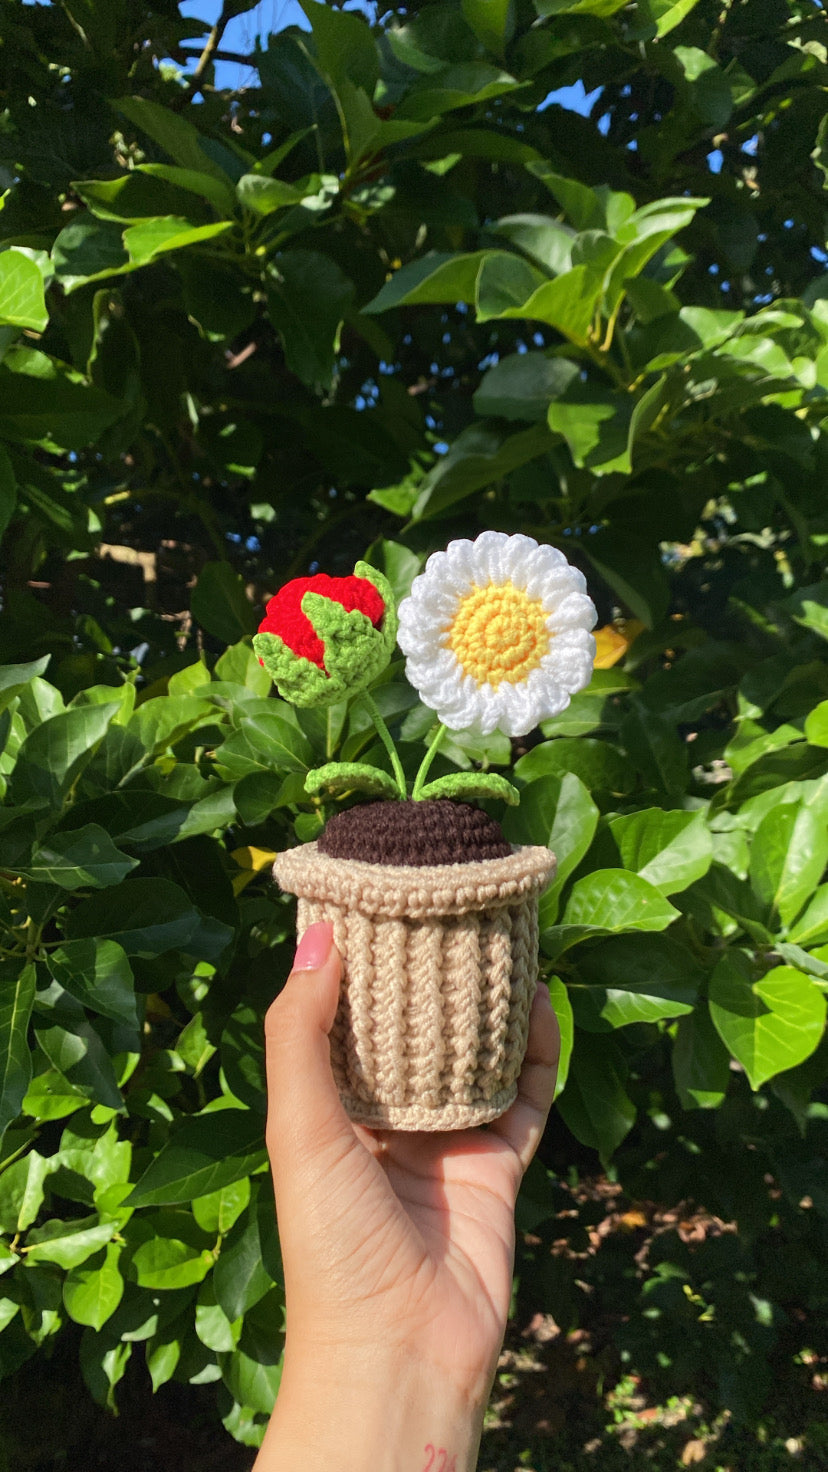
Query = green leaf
x=338 y=777
x=218 y=1211
x=205 y=1153
x=612 y=900
x=137 y=196
x=263 y=195
x=652 y=969
x=812 y=927
x=175 y=134
x=22 y=303
x=217 y=190
x=656 y=748
x=83 y=856
x=15 y=677
x=701 y=1063
x=493 y=22
x=252 y=1373
x=49 y=1096
x=471 y=786
x=816 y=725
x=504 y=283
x=308 y=297
x=521 y=386
x=103 y=1365
x=594 y=423
x=239 y=664
x=146 y=917
x=92 y=1294
x=75 y=1048
x=461 y=85
x=242 y=1277
x=436 y=277
x=559 y=997
x=585 y=207
x=345 y=48
x=478 y=457
x=56 y=751
x=97 y=973
x=69 y=1243
x=154 y=237
x=578 y=7
x=665 y=15
x=568 y=304
x=163 y=1354
x=17 y=992
x=266 y=740
x=90 y=250
x=171 y=1254
x=769 y=1024
x=556 y=811
x=212 y=1325
x=221 y=605
x=44 y=401
x=668 y=849
x=22 y=1186
x=788 y=857
x=599 y=764
x=595 y=1105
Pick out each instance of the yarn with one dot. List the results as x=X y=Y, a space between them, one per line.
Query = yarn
x=284 y=614
x=440 y=966
x=414 y=834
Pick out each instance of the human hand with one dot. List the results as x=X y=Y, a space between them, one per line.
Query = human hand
x=397 y=1247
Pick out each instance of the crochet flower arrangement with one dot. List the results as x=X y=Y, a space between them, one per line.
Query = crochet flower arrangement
x=435 y=914
x=496 y=635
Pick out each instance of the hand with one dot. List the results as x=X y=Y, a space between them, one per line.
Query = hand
x=397 y=1247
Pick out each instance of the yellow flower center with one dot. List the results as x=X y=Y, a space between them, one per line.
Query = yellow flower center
x=499 y=634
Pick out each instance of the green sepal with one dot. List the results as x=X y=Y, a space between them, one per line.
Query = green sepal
x=390 y=620
x=298 y=679
x=465 y=785
x=338 y=777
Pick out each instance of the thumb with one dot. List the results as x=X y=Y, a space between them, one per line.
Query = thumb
x=305 y=1118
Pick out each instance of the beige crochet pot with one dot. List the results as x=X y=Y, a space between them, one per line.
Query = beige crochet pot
x=440 y=969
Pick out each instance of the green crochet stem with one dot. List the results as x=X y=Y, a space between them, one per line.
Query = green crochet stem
x=419 y=780
x=387 y=741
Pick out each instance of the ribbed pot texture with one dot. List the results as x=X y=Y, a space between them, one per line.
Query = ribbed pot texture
x=440 y=969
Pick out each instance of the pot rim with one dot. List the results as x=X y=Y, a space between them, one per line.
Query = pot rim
x=405 y=891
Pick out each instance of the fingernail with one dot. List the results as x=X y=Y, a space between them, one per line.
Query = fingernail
x=314 y=947
x=543 y=992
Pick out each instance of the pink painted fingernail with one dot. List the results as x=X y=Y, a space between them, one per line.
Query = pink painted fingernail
x=314 y=947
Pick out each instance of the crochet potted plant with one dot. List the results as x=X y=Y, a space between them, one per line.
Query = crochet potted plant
x=435 y=914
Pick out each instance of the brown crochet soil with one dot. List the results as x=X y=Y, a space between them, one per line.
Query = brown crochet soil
x=438 y=831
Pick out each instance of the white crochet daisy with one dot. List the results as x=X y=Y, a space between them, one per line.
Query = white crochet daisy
x=497 y=634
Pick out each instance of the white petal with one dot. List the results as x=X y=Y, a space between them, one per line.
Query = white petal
x=575 y=611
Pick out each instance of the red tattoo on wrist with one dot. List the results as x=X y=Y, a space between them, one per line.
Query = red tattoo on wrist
x=437 y=1459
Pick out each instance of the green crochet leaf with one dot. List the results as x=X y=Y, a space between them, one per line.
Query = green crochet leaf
x=386 y=592
x=466 y=785
x=298 y=679
x=338 y=777
x=355 y=652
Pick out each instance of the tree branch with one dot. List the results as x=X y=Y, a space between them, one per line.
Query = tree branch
x=213 y=41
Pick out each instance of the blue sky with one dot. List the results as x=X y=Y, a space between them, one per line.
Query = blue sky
x=273 y=15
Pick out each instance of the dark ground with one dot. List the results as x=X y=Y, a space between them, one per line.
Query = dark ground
x=562 y=1401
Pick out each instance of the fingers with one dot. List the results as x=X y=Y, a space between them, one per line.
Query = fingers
x=304 y=1116
x=522 y=1125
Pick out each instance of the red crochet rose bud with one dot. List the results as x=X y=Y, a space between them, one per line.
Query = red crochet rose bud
x=323 y=638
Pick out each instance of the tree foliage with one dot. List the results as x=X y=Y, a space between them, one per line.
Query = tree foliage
x=390 y=292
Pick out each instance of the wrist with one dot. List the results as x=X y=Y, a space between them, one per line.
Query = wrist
x=391 y=1414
